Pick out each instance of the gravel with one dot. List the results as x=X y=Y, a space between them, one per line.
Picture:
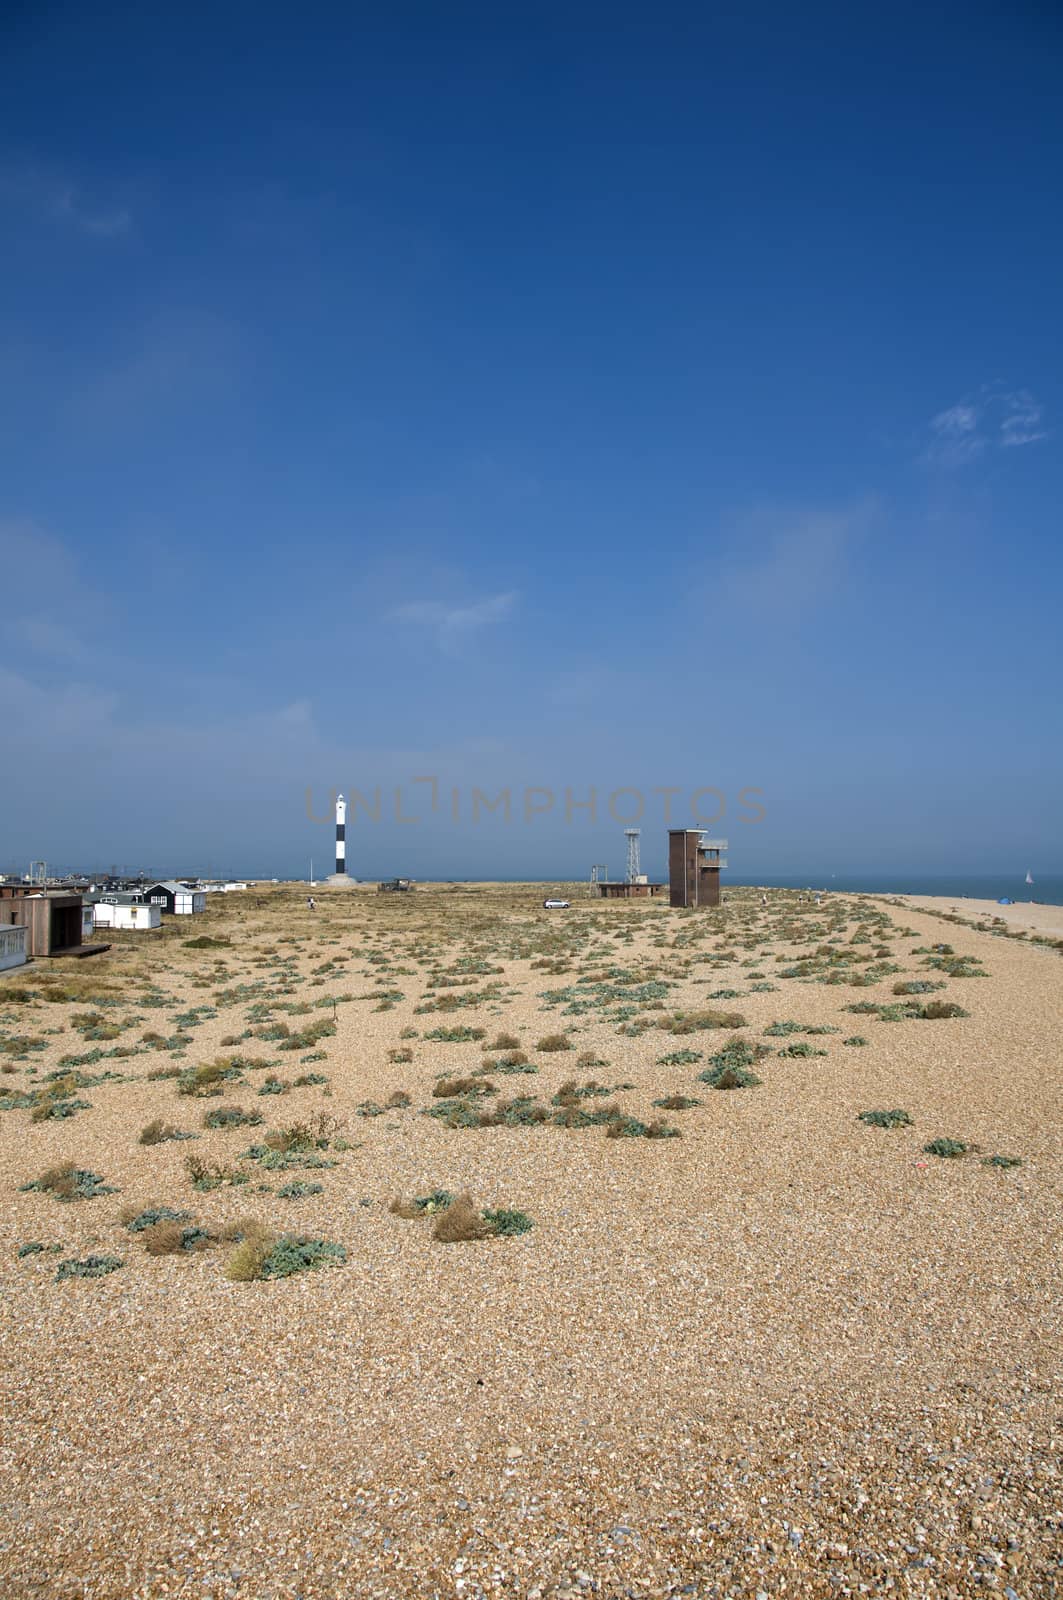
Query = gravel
x=786 y=1353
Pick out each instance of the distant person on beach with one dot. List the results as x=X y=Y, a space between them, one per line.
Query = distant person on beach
x=310 y=903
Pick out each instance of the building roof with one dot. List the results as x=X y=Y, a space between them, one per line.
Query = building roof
x=172 y=885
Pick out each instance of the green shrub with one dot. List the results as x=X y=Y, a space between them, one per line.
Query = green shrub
x=885 y=1119
x=91 y=1267
x=424 y=1205
x=950 y=1149
x=508 y=1224
x=730 y=1068
x=292 y=1254
x=231 y=1117
x=208 y=1079
x=154 y=1214
x=298 y=1190
x=1002 y=1161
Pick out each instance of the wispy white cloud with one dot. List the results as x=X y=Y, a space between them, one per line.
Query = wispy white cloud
x=1021 y=423
x=994 y=418
x=791 y=559
x=52 y=598
x=53 y=196
x=175 y=365
x=450 y=625
x=66 y=205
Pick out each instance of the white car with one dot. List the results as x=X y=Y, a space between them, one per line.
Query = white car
x=555 y=905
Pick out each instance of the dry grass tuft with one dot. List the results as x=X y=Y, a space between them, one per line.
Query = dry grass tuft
x=168 y=1239
x=460 y=1222
x=245 y=1263
x=60 y=1180
x=553 y=1042
x=504 y=1041
x=448 y=1088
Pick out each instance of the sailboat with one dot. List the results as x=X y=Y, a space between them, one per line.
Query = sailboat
x=1029 y=876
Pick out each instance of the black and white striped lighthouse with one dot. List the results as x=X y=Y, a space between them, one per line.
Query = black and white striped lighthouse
x=339 y=879
x=341 y=835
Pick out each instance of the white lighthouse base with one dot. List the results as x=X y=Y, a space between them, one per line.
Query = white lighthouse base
x=339 y=880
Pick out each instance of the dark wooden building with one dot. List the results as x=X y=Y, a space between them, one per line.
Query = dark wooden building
x=694 y=865
x=175 y=899
x=637 y=890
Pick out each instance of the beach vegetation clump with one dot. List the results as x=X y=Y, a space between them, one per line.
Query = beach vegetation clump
x=460 y=1222
x=938 y=1009
x=459 y=1035
x=449 y=1088
x=262 y=1254
x=307 y=1037
x=231 y=1117
x=885 y=1119
x=58 y=1099
x=507 y=1223
x=172 y=1239
x=91 y=1267
x=138 y=1221
x=207 y=1079
x=69 y=1182
x=297 y=1189
x=677 y=1102
x=701 y=1021
x=855 y=1040
x=949 y=1149
x=731 y=1067
x=425 y=1205
x=551 y=1043
x=511 y=1064
x=1003 y=1162
x=207 y=1175
x=159 y=1132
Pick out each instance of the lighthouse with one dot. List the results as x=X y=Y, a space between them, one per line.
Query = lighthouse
x=339 y=879
x=341 y=835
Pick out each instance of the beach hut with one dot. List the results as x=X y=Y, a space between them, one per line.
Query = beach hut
x=126 y=911
x=175 y=899
x=53 y=923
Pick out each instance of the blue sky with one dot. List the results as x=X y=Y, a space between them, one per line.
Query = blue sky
x=531 y=397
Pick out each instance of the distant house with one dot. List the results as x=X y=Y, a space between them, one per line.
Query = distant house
x=636 y=889
x=126 y=911
x=395 y=886
x=175 y=899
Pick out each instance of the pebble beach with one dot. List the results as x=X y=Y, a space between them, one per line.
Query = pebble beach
x=761 y=1347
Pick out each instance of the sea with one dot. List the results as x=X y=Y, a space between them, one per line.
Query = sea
x=1046 y=890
